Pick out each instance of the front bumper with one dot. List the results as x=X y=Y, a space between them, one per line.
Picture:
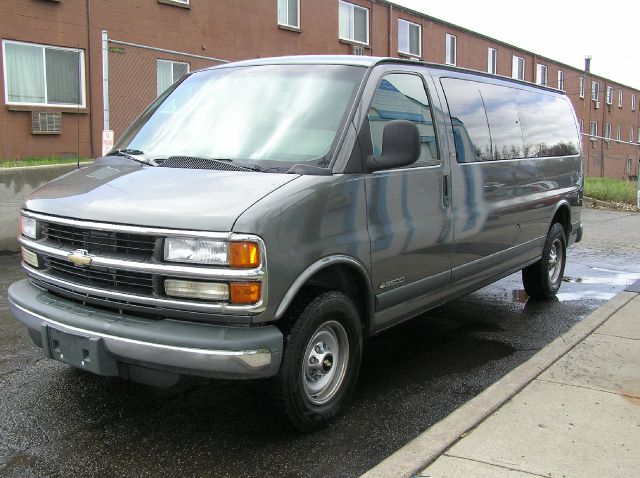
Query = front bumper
x=128 y=345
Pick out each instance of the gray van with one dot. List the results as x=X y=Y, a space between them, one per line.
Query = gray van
x=262 y=218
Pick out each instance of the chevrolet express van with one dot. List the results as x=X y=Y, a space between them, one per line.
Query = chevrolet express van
x=262 y=218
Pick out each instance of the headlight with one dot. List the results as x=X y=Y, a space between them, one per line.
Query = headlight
x=28 y=226
x=196 y=251
x=240 y=254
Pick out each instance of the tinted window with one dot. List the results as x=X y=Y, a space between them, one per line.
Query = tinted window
x=468 y=119
x=504 y=124
x=402 y=96
x=548 y=124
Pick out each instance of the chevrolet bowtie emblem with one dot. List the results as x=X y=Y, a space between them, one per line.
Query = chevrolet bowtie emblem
x=80 y=257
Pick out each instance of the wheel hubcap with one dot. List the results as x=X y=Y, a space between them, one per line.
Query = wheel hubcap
x=325 y=362
x=555 y=261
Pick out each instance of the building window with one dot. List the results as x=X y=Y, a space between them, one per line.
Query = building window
x=618 y=134
x=43 y=75
x=582 y=87
x=609 y=95
x=581 y=126
x=492 y=60
x=450 y=49
x=620 y=99
x=633 y=102
x=289 y=13
x=354 y=23
x=595 y=91
x=607 y=131
x=409 y=38
x=541 y=74
x=561 y=80
x=638 y=137
x=593 y=129
x=168 y=72
x=517 y=68
x=631 y=134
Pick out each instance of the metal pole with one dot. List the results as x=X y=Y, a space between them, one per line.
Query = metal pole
x=105 y=79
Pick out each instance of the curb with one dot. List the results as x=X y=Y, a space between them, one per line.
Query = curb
x=416 y=455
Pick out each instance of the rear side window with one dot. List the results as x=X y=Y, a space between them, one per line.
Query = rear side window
x=403 y=96
x=494 y=122
x=548 y=125
x=468 y=119
x=504 y=123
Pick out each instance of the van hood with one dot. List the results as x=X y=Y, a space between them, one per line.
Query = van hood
x=135 y=194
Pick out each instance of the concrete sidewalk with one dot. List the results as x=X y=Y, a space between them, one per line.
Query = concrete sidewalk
x=572 y=410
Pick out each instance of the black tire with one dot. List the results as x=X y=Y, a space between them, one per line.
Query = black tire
x=319 y=331
x=542 y=279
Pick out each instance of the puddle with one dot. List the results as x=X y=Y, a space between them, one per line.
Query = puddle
x=566 y=296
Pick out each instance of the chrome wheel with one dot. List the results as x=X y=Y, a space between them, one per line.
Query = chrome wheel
x=325 y=362
x=555 y=261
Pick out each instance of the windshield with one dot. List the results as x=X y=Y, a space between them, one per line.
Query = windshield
x=273 y=116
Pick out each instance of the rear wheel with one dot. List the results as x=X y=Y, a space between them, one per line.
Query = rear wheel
x=321 y=360
x=542 y=279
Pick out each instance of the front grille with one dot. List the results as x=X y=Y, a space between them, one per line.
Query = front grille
x=99 y=241
x=101 y=277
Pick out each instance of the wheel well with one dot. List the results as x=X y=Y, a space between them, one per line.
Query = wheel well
x=563 y=217
x=345 y=279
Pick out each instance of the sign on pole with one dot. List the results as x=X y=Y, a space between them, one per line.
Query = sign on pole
x=107 y=141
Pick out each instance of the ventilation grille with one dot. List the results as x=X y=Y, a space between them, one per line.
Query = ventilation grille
x=187 y=162
x=46 y=122
x=358 y=50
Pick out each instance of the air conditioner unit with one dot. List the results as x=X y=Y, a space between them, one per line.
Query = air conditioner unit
x=609 y=106
x=46 y=122
x=358 y=50
x=597 y=104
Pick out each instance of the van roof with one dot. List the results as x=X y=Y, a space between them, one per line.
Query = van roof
x=367 y=62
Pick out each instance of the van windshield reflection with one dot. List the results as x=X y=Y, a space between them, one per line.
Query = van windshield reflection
x=275 y=115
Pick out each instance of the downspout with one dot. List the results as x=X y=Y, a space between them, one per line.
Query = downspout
x=89 y=82
x=390 y=34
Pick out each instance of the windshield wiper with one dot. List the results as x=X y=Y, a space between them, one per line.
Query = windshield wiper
x=134 y=154
x=249 y=167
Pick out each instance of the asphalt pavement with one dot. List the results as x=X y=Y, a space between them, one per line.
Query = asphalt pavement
x=59 y=422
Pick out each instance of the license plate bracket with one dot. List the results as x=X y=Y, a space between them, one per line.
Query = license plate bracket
x=81 y=351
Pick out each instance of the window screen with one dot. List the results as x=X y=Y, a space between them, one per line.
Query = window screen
x=403 y=96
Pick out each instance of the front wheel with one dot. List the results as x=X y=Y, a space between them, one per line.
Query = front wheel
x=542 y=279
x=321 y=360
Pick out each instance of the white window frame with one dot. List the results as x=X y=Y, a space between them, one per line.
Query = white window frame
x=409 y=25
x=581 y=121
x=173 y=80
x=631 y=134
x=83 y=94
x=583 y=86
x=619 y=133
x=492 y=61
x=353 y=6
x=595 y=91
x=620 y=98
x=593 y=129
x=515 y=67
x=633 y=102
x=542 y=74
x=447 y=49
x=638 y=137
x=561 y=80
x=288 y=24
x=607 y=131
x=609 y=96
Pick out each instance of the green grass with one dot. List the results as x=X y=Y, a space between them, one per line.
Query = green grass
x=38 y=161
x=611 y=190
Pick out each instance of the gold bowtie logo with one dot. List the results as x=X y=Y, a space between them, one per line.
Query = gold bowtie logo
x=80 y=257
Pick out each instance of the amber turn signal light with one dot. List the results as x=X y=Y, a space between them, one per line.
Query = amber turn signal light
x=244 y=292
x=244 y=254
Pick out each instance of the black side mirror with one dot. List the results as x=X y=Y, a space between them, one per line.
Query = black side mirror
x=400 y=146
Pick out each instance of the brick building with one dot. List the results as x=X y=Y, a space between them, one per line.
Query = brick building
x=57 y=54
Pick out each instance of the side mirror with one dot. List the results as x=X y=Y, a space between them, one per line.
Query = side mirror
x=400 y=146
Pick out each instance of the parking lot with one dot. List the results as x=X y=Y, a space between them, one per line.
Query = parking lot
x=56 y=421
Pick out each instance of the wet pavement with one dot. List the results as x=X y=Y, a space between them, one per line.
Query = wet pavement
x=59 y=422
